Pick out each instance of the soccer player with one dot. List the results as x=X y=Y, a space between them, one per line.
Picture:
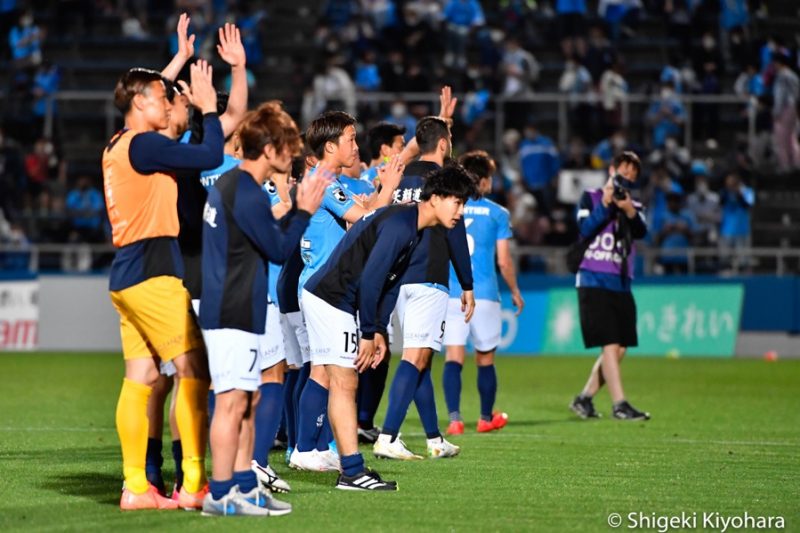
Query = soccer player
x=191 y=198
x=384 y=141
x=607 y=307
x=156 y=323
x=488 y=235
x=361 y=279
x=239 y=237
x=422 y=304
x=332 y=139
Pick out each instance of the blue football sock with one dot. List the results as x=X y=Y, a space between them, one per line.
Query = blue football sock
x=352 y=464
x=426 y=405
x=401 y=393
x=212 y=402
x=379 y=385
x=220 y=488
x=177 y=456
x=487 y=388
x=302 y=379
x=325 y=433
x=364 y=398
x=289 y=411
x=268 y=414
x=451 y=380
x=246 y=479
x=313 y=406
x=153 y=463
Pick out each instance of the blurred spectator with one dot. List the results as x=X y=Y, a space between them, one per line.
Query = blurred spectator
x=460 y=17
x=671 y=73
x=604 y=152
x=734 y=19
x=393 y=72
x=673 y=234
x=25 y=40
x=621 y=16
x=519 y=68
x=367 y=76
x=679 y=17
x=665 y=116
x=660 y=186
x=398 y=114
x=250 y=23
x=332 y=87
x=540 y=163
x=784 y=114
x=420 y=37
x=737 y=200
x=508 y=162
x=673 y=157
x=613 y=90
x=572 y=27
x=133 y=26
x=40 y=165
x=85 y=208
x=338 y=13
x=12 y=175
x=749 y=82
x=381 y=13
x=703 y=204
x=600 y=55
x=45 y=84
x=576 y=156
x=576 y=82
x=708 y=113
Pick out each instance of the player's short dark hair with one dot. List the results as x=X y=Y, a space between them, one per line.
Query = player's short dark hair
x=430 y=130
x=452 y=180
x=268 y=124
x=478 y=163
x=134 y=81
x=196 y=118
x=380 y=134
x=327 y=127
x=630 y=158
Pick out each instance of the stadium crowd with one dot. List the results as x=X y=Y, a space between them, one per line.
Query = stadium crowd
x=482 y=49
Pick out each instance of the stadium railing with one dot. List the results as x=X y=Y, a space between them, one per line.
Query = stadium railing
x=82 y=258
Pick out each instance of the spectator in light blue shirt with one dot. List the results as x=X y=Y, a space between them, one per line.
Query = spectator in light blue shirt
x=25 y=41
x=540 y=164
x=460 y=17
x=734 y=234
x=674 y=234
x=85 y=207
x=45 y=84
x=666 y=116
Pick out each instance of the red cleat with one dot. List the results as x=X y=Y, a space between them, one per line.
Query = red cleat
x=151 y=499
x=499 y=421
x=456 y=427
x=192 y=501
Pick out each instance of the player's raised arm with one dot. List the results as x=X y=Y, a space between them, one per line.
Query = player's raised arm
x=185 y=49
x=447 y=108
x=231 y=51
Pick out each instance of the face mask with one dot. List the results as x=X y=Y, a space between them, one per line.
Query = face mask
x=708 y=43
x=666 y=93
x=26 y=21
x=702 y=187
x=398 y=110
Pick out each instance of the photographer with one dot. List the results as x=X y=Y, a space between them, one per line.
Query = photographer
x=612 y=221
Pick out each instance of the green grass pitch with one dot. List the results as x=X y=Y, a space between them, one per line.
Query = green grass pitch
x=725 y=437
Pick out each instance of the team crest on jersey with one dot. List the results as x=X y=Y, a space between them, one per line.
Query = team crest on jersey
x=210 y=215
x=339 y=194
x=270 y=187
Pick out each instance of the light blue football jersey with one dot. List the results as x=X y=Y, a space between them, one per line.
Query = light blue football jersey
x=357 y=185
x=209 y=177
x=370 y=174
x=325 y=229
x=487 y=223
x=274 y=269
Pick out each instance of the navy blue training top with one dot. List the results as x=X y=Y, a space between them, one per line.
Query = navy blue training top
x=240 y=237
x=430 y=262
x=367 y=265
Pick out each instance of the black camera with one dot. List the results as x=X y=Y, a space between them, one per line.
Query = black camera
x=622 y=187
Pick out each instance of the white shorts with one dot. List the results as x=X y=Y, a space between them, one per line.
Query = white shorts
x=484 y=329
x=168 y=368
x=233 y=357
x=332 y=333
x=272 y=345
x=295 y=339
x=422 y=310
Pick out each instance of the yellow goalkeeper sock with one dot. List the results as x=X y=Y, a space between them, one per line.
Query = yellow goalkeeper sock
x=191 y=412
x=132 y=428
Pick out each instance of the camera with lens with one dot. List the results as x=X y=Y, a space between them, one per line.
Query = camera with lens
x=622 y=187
